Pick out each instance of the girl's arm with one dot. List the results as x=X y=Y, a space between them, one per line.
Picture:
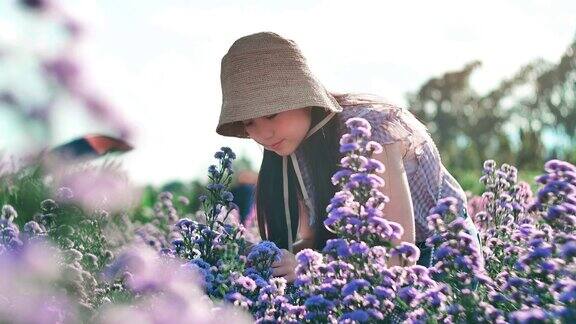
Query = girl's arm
x=305 y=232
x=399 y=209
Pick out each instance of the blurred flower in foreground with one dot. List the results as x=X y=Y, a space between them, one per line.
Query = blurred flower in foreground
x=94 y=188
x=28 y=290
x=168 y=292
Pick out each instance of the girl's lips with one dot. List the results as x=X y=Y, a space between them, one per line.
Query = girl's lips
x=275 y=146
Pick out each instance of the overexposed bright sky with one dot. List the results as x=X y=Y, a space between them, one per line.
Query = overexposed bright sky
x=158 y=61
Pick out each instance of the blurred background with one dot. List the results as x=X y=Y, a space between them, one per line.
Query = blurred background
x=491 y=79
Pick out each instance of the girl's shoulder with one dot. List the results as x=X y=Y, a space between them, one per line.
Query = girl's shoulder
x=390 y=123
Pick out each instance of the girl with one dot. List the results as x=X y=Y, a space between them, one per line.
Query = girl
x=270 y=95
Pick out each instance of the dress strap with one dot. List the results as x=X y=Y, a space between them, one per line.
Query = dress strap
x=286 y=201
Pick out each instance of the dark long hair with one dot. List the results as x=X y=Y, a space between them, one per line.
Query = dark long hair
x=321 y=153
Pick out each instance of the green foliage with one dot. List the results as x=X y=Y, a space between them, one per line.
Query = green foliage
x=468 y=179
x=24 y=189
x=513 y=122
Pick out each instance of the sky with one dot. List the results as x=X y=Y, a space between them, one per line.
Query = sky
x=158 y=61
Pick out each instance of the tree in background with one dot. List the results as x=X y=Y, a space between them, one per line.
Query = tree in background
x=510 y=123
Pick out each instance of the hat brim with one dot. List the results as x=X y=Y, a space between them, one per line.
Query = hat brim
x=237 y=129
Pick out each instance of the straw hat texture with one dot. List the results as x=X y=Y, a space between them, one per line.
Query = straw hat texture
x=263 y=74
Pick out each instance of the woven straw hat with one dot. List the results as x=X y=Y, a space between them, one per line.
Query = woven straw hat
x=263 y=74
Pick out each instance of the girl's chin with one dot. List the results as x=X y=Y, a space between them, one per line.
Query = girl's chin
x=281 y=152
x=284 y=151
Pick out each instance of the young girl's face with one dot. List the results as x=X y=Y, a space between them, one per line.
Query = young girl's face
x=282 y=132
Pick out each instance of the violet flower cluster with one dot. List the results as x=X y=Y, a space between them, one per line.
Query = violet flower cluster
x=506 y=202
x=457 y=263
x=350 y=281
x=356 y=211
x=194 y=267
x=214 y=247
x=163 y=290
x=79 y=237
x=9 y=232
x=556 y=200
x=530 y=246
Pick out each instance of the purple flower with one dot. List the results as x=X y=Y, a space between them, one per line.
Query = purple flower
x=337 y=214
x=374 y=147
x=407 y=294
x=308 y=257
x=339 y=199
x=185 y=224
x=32 y=228
x=549 y=266
x=444 y=205
x=355 y=122
x=328 y=289
x=558 y=165
x=260 y=282
x=568 y=295
x=444 y=252
x=318 y=302
x=215 y=186
x=238 y=299
x=339 y=176
x=263 y=254
x=568 y=250
x=406 y=250
x=384 y=292
x=213 y=171
x=457 y=225
x=397 y=230
x=374 y=165
x=541 y=252
x=435 y=297
x=246 y=283
x=347 y=162
x=354 y=286
x=349 y=147
x=370 y=180
x=338 y=247
x=178 y=244
x=555 y=212
x=516 y=281
x=357 y=316
x=227 y=196
x=346 y=138
x=64 y=193
x=359 y=248
x=489 y=164
x=371 y=212
x=536 y=315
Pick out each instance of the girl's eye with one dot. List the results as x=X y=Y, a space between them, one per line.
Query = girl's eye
x=249 y=123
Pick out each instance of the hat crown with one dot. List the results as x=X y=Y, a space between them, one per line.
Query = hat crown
x=262 y=74
x=260 y=41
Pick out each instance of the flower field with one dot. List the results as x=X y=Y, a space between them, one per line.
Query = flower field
x=106 y=262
